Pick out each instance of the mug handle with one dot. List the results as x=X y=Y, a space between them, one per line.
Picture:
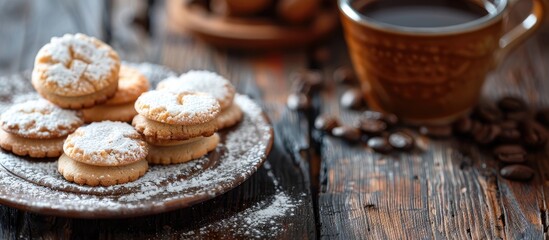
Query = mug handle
x=524 y=30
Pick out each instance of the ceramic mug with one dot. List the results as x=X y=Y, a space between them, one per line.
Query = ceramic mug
x=430 y=75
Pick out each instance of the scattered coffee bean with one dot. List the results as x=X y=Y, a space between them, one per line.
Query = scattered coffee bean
x=509 y=124
x=533 y=135
x=463 y=125
x=487 y=134
x=517 y=116
x=488 y=114
x=512 y=104
x=298 y=101
x=517 y=172
x=348 y=133
x=509 y=135
x=380 y=144
x=389 y=118
x=352 y=99
x=326 y=123
x=442 y=131
x=511 y=154
x=372 y=126
x=543 y=117
x=344 y=75
x=401 y=141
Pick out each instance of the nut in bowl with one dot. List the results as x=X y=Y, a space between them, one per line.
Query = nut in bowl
x=427 y=61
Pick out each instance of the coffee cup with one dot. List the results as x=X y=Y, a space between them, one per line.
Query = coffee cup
x=426 y=60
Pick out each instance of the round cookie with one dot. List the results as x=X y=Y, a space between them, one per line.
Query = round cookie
x=39 y=119
x=106 y=144
x=177 y=108
x=153 y=130
x=36 y=148
x=76 y=71
x=182 y=153
x=202 y=81
x=229 y=117
x=120 y=107
x=85 y=174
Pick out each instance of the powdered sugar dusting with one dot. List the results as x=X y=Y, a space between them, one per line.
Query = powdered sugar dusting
x=183 y=108
x=106 y=143
x=201 y=81
x=39 y=119
x=75 y=64
x=241 y=151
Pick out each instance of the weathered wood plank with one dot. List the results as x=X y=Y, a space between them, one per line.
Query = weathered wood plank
x=453 y=190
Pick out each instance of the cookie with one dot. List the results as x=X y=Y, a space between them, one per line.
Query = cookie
x=156 y=130
x=36 y=148
x=39 y=119
x=85 y=174
x=182 y=153
x=202 y=81
x=229 y=117
x=106 y=144
x=76 y=71
x=131 y=85
x=177 y=108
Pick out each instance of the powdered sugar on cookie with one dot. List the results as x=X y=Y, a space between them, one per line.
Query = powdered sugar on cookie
x=106 y=144
x=183 y=108
x=39 y=119
x=202 y=81
x=76 y=65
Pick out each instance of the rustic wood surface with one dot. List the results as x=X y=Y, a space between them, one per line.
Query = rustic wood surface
x=450 y=191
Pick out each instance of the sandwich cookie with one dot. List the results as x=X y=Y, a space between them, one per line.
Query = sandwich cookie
x=103 y=153
x=76 y=71
x=217 y=86
x=37 y=128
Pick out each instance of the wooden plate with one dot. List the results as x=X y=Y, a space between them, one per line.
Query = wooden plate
x=248 y=34
x=35 y=185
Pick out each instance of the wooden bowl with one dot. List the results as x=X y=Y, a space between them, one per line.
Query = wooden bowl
x=241 y=33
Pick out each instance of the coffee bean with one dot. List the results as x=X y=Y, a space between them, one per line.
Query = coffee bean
x=476 y=126
x=401 y=140
x=517 y=172
x=352 y=99
x=443 y=131
x=533 y=135
x=344 y=75
x=463 y=125
x=487 y=134
x=348 y=133
x=543 y=117
x=296 y=11
x=326 y=123
x=372 y=126
x=517 y=116
x=389 y=118
x=509 y=124
x=488 y=114
x=512 y=104
x=380 y=144
x=512 y=153
x=298 y=101
x=509 y=135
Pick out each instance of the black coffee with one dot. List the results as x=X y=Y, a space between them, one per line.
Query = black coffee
x=423 y=13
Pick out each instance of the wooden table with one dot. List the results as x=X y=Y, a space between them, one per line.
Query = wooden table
x=337 y=190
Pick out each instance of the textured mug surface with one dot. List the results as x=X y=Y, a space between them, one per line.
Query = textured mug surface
x=423 y=74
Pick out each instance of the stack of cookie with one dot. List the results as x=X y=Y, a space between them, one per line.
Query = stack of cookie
x=37 y=128
x=131 y=84
x=76 y=71
x=179 y=126
x=104 y=153
x=217 y=86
